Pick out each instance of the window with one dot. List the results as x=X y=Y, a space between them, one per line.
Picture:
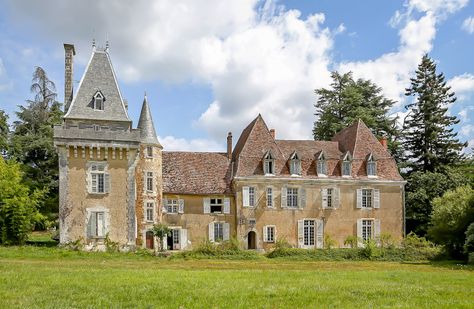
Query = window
x=149 y=181
x=218 y=231
x=172 y=206
x=321 y=166
x=330 y=192
x=98 y=101
x=292 y=197
x=150 y=211
x=99 y=178
x=366 y=198
x=175 y=236
x=269 y=233
x=308 y=230
x=346 y=165
x=371 y=166
x=367 y=227
x=251 y=196
x=149 y=152
x=216 y=205
x=96 y=225
x=269 y=164
x=270 y=197
x=295 y=164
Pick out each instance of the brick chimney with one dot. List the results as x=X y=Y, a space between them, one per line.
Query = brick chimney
x=272 y=133
x=229 y=145
x=383 y=141
x=69 y=53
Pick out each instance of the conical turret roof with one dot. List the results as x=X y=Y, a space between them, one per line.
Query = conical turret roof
x=145 y=124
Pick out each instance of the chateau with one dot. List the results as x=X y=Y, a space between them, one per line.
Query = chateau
x=117 y=181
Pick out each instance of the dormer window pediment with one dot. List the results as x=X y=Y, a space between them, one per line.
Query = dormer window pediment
x=268 y=163
x=295 y=165
x=98 y=101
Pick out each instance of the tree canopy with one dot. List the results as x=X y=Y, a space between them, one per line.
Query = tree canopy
x=4 y=131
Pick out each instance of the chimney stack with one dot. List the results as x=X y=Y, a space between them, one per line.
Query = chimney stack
x=272 y=133
x=383 y=141
x=69 y=53
x=229 y=145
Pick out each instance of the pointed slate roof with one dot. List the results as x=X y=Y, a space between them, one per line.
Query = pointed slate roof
x=98 y=76
x=146 y=127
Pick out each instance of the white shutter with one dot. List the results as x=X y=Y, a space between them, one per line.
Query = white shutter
x=283 y=197
x=359 y=233
x=324 y=197
x=183 y=238
x=164 y=207
x=227 y=205
x=377 y=229
x=245 y=196
x=100 y=224
x=106 y=182
x=265 y=233
x=226 y=231
x=335 y=197
x=211 y=231
x=207 y=206
x=300 y=233
x=319 y=233
x=302 y=198
x=180 y=206
x=359 y=198
x=376 y=198
x=92 y=225
x=89 y=178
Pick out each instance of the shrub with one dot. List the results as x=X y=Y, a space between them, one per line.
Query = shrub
x=229 y=249
x=351 y=241
x=110 y=246
x=370 y=250
x=386 y=240
x=469 y=243
x=329 y=243
x=282 y=243
x=161 y=231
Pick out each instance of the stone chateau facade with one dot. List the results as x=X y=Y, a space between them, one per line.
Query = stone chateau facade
x=117 y=181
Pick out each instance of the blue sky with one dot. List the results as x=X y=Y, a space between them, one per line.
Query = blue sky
x=211 y=67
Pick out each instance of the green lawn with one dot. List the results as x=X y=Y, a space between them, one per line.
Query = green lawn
x=33 y=277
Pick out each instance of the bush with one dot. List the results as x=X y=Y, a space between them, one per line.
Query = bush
x=329 y=243
x=229 y=249
x=351 y=241
x=469 y=243
x=386 y=240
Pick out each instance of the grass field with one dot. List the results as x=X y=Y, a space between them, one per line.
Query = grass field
x=33 y=277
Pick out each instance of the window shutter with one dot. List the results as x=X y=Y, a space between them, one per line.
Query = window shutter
x=255 y=197
x=227 y=205
x=300 y=233
x=106 y=182
x=335 y=198
x=211 y=231
x=377 y=230
x=359 y=198
x=245 y=196
x=302 y=197
x=226 y=231
x=359 y=233
x=181 y=206
x=324 y=197
x=183 y=238
x=100 y=224
x=92 y=225
x=283 y=197
x=265 y=233
x=319 y=233
x=207 y=206
x=164 y=209
x=89 y=178
x=376 y=198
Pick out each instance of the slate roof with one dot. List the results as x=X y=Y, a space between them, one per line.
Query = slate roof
x=98 y=76
x=145 y=124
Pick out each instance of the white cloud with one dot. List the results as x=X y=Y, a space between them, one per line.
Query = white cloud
x=467 y=130
x=171 y=143
x=468 y=25
x=470 y=147
x=5 y=82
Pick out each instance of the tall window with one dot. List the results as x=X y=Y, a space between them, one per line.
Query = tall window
x=346 y=165
x=269 y=235
x=149 y=152
x=251 y=196
x=150 y=211
x=292 y=197
x=269 y=197
x=172 y=206
x=149 y=181
x=295 y=164
x=98 y=178
x=216 y=205
x=366 y=198
x=367 y=227
x=96 y=225
x=322 y=166
x=330 y=192
x=371 y=166
x=308 y=229
x=175 y=236
x=98 y=101
x=268 y=164
x=218 y=231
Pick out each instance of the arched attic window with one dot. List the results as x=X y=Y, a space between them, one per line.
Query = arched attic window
x=371 y=166
x=295 y=164
x=346 y=167
x=98 y=101
x=321 y=167
x=269 y=164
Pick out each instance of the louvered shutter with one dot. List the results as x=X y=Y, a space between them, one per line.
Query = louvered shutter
x=106 y=182
x=265 y=233
x=92 y=225
x=319 y=234
x=207 y=205
x=336 y=197
x=183 y=238
x=302 y=198
x=245 y=196
x=359 y=233
x=226 y=231
x=227 y=205
x=324 y=197
x=211 y=231
x=376 y=198
x=359 y=198
x=100 y=224
x=300 y=233
x=181 y=206
x=89 y=178
x=377 y=230
x=283 y=197
x=164 y=208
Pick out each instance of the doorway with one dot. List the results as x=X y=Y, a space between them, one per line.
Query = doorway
x=251 y=240
x=150 y=241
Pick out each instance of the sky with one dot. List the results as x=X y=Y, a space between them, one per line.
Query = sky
x=210 y=67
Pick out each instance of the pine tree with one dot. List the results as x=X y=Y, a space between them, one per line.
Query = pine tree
x=4 y=131
x=430 y=141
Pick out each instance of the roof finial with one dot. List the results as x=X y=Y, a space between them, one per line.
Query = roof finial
x=145 y=93
x=93 y=43
x=107 y=45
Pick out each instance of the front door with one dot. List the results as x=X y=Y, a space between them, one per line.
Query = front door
x=252 y=240
x=150 y=243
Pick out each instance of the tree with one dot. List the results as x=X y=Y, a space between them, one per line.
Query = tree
x=32 y=139
x=452 y=214
x=430 y=141
x=161 y=231
x=469 y=243
x=18 y=205
x=348 y=100
x=4 y=131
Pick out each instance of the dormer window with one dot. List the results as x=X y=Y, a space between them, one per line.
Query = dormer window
x=322 y=165
x=295 y=164
x=371 y=166
x=98 y=101
x=346 y=165
x=269 y=164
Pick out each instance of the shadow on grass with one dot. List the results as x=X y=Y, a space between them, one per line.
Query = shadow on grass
x=452 y=264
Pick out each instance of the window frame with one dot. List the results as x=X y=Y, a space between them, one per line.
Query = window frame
x=98 y=96
x=309 y=231
x=321 y=166
x=295 y=165
x=367 y=196
x=218 y=229
x=216 y=204
x=371 y=166
x=268 y=164
x=97 y=174
x=269 y=239
x=252 y=197
x=269 y=195
x=365 y=228
x=171 y=204
x=150 y=206
x=294 y=197
x=149 y=152
x=149 y=182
